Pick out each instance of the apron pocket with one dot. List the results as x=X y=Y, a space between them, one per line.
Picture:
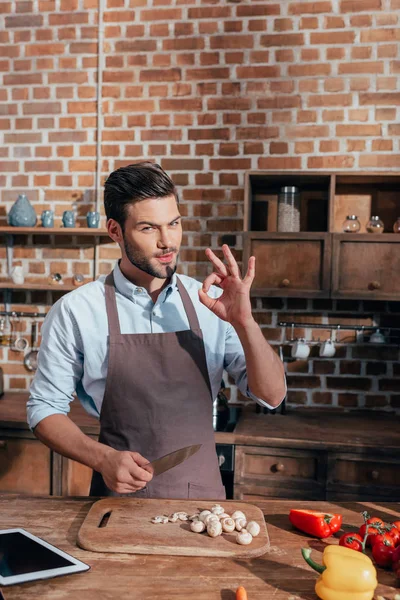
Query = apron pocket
x=197 y=491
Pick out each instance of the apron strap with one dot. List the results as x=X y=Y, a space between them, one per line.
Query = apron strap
x=111 y=305
x=112 y=311
x=188 y=306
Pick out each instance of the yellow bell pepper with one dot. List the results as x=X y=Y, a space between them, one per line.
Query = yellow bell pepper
x=345 y=574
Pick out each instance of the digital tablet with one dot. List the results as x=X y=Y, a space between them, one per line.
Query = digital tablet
x=26 y=557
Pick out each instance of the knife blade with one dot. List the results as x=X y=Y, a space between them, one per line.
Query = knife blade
x=164 y=463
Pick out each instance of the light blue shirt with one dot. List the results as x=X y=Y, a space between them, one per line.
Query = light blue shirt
x=73 y=355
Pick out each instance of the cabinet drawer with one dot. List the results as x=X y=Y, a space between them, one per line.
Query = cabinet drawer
x=365 y=477
x=366 y=269
x=25 y=467
x=279 y=472
x=289 y=264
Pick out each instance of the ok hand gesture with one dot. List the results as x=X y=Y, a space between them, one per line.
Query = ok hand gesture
x=234 y=304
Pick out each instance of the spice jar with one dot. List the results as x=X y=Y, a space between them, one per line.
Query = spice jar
x=375 y=225
x=396 y=226
x=351 y=224
x=289 y=209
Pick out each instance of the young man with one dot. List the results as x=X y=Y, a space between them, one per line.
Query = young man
x=145 y=349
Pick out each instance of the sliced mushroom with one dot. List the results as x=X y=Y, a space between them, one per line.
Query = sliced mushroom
x=173 y=518
x=160 y=519
x=194 y=517
x=183 y=516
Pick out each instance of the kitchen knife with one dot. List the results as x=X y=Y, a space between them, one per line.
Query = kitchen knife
x=164 y=463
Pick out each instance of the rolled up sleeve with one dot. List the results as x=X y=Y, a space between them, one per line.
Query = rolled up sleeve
x=60 y=366
x=235 y=366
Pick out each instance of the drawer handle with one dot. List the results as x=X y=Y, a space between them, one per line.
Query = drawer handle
x=375 y=475
x=3 y=445
x=374 y=285
x=285 y=282
x=279 y=467
x=221 y=460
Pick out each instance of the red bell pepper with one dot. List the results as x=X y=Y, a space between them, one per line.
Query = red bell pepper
x=318 y=524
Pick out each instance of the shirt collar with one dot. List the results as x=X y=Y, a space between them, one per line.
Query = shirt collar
x=130 y=290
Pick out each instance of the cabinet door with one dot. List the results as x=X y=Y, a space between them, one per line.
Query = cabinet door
x=278 y=473
x=76 y=478
x=25 y=467
x=289 y=264
x=352 y=477
x=366 y=266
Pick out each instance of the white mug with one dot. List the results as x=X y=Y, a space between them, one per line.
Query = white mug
x=300 y=349
x=17 y=275
x=327 y=349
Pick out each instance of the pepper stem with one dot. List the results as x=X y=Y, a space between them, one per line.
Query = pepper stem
x=306 y=552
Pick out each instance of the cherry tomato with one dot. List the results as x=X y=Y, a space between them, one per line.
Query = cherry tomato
x=394 y=534
x=396 y=524
x=351 y=540
x=375 y=525
x=383 y=538
x=383 y=554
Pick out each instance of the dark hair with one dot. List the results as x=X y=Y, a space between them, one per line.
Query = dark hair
x=134 y=183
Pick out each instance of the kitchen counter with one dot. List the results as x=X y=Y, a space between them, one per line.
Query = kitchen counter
x=280 y=574
x=303 y=428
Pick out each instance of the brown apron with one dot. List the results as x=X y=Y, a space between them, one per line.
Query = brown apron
x=158 y=399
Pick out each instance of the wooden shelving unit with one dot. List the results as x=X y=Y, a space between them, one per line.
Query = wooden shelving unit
x=53 y=231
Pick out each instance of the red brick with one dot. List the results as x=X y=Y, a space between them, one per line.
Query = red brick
x=309 y=23
x=44 y=49
x=361 y=67
x=292 y=101
x=210 y=12
x=177 y=164
x=380 y=160
x=299 y=8
x=287 y=39
x=311 y=70
x=380 y=35
x=41 y=108
x=358 y=130
x=43 y=165
x=254 y=133
x=334 y=22
x=83 y=48
x=380 y=99
x=330 y=162
x=307 y=131
x=184 y=44
x=172 y=14
x=356 y=6
x=283 y=24
x=330 y=100
x=333 y=37
x=277 y=163
x=329 y=146
x=24 y=21
x=160 y=75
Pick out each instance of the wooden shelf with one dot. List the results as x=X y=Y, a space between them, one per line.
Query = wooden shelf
x=66 y=287
x=89 y=231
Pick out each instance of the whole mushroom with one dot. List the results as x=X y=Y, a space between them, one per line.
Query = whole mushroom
x=240 y=523
x=244 y=537
x=253 y=528
x=228 y=524
x=197 y=526
x=237 y=514
x=214 y=528
x=203 y=514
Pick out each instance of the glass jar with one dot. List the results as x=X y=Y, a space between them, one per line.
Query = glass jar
x=396 y=226
x=375 y=225
x=351 y=224
x=289 y=209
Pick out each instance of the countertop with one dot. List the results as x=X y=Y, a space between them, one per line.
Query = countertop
x=358 y=431
x=280 y=574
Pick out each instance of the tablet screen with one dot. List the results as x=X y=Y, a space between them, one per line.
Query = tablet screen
x=19 y=554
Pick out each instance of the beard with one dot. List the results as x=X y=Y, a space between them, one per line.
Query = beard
x=140 y=261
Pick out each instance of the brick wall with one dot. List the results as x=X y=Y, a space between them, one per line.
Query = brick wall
x=209 y=89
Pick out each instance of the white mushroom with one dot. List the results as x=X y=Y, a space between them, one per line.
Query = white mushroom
x=217 y=509
x=183 y=516
x=158 y=519
x=244 y=537
x=209 y=518
x=253 y=528
x=240 y=523
x=197 y=526
x=164 y=520
x=173 y=518
x=224 y=515
x=214 y=529
x=203 y=514
x=237 y=514
x=194 y=517
x=228 y=524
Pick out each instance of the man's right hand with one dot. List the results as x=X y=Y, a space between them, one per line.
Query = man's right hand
x=123 y=471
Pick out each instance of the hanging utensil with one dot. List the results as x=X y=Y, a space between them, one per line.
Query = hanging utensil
x=30 y=360
x=17 y=342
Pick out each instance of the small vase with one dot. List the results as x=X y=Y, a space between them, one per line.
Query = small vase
x=22 y=213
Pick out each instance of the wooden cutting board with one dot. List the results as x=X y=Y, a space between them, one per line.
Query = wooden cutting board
x=124 y=525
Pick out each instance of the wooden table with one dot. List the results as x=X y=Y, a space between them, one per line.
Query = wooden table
x=281 y=574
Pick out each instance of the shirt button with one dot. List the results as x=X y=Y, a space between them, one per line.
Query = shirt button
x=139 y=290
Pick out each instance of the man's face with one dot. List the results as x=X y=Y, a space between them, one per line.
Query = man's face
x=153 y=235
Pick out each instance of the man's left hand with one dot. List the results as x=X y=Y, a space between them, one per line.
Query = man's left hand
x=234 y=304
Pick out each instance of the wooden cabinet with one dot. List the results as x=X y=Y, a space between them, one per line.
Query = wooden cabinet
x=366 y=268
x=320 y=260
x=289 y=265
x=278 y=473
x=268 y=472
x=25 y=467
x=355 y=477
